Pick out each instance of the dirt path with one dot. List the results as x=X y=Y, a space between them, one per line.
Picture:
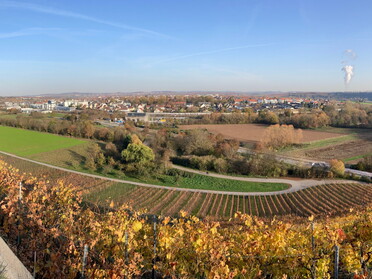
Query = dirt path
x=295 y=185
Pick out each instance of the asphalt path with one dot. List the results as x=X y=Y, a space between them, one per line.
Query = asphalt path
x=307 y=162
x=296 y=185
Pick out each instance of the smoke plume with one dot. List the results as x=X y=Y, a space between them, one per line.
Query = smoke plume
x=348 y=69
x=348 y=57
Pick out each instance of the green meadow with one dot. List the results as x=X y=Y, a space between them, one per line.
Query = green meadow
x=25 y=142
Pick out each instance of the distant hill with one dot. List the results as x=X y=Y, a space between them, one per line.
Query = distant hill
x=366 y=96
x=142 y=93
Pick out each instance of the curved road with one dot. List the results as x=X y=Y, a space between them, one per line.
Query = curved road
x=296 y=185
x=295 y=161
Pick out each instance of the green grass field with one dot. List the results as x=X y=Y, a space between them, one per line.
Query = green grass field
x=356 y=157
x=324 y=142
x=331 y=141
x=198 y=181
x=24 y=142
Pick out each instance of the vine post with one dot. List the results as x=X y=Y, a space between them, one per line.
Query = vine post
x=126 y=247
x=85 y=256
x=34 y=273
x=337 y=258
x=313 y=264
x=155 y=219
x=19 y=215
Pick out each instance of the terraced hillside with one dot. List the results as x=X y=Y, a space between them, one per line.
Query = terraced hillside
x=323 y=199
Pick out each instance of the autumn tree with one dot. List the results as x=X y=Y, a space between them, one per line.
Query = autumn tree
x=111 y=150
x=90 y=164
x=100 y=160
x=87 y=129
x=220 y=165
x=268 y=117
x=316 y=119
x=337 y=167
x=196 y=142
x=137 y=152
x=279 y=136
x=227 y=148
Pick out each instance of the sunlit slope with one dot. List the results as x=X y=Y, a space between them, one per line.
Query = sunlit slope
x=25 y=142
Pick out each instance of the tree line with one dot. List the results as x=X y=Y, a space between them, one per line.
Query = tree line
x=348 y=116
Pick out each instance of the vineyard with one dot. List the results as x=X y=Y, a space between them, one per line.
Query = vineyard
x=324 y=199
x=57 y=236
x=320 y=200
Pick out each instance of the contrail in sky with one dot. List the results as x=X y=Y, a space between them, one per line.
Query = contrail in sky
x=27 y=32
x=64 y=13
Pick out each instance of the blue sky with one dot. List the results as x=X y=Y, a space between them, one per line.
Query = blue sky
x=137 y=45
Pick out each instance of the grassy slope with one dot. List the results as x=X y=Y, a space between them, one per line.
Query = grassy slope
x=296 y=150
x=331 y=141
x=24 y=142
x=70 y=157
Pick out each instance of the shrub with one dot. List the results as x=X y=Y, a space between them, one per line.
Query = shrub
x=202 y=162
x=220 y=165
x=337 y=167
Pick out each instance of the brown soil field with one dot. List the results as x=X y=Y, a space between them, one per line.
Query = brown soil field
x=254 y=132
x=341 y=151
x=360 y=146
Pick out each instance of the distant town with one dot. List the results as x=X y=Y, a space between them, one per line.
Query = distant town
x=160 y=108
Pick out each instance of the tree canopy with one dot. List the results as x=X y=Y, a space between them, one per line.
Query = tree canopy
x=137 y=153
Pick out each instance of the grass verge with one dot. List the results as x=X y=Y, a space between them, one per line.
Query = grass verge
x=356 y=157
x=320 y=143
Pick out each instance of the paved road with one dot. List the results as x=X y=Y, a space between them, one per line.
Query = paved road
x=307 y=162
x=296 y=185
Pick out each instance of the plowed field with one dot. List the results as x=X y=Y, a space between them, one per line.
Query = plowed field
x=254 y=132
